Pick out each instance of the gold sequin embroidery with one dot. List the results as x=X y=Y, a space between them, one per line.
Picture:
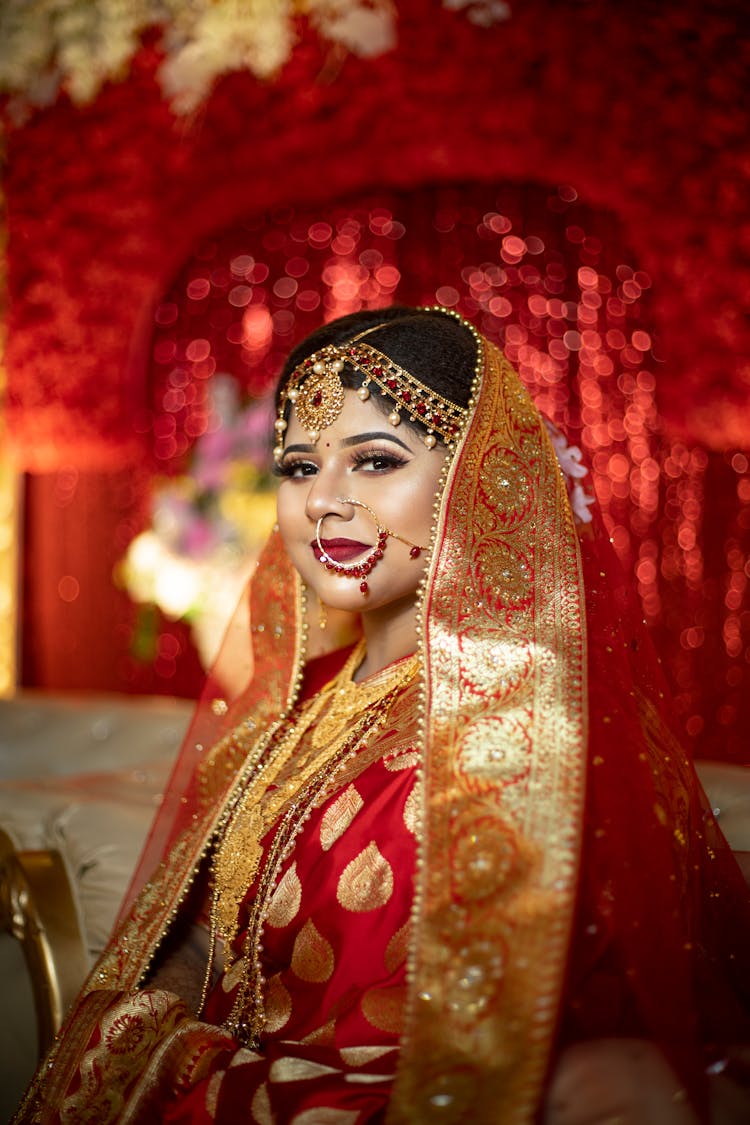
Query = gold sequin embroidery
x=367 y=882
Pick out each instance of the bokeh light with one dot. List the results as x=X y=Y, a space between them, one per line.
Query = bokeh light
x=549 y=280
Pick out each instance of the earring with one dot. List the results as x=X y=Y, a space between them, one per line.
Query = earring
x=322 y=614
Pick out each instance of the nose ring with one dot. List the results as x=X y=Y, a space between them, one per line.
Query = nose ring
x=356 y=570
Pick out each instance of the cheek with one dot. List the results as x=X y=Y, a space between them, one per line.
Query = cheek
x=419 y=504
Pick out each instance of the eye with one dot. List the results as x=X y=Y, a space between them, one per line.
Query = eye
x=377 y=460
x=295 y=468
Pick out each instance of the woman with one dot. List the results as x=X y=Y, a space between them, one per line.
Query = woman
x=458 y=871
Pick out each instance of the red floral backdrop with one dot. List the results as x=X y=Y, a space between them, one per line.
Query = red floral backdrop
x=628 y=124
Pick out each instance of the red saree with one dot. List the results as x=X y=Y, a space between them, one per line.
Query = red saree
x=525 y=859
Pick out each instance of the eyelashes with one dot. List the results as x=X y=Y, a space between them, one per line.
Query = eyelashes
x=387 y=459
x=381 y=460
x=289 y=468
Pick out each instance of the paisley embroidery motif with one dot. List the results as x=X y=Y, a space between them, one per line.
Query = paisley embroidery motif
x=312 y=956
x=360 y=1056
x=412 y=809
x=292 y=1069
x=261 y=1107
x=324 y=1036
x=212 y=1093
x=404 y=761
x=397 y=949
x=367 y=882
x=325 y=1115
x=339 y=816
x=278 y=1004
x=233 y=975
x=384 y=1008
x=286 y=899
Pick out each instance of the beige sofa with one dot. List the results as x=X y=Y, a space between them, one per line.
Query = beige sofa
x=79 y=781
x=80 y=778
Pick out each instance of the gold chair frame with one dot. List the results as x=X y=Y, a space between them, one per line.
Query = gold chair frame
x=38 y=909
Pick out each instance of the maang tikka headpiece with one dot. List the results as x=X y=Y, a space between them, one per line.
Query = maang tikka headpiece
x=317 y=392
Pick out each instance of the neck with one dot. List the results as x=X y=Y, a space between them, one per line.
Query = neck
x=390 y=633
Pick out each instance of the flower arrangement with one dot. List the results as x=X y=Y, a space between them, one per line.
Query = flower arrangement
x=78 y=45
x=209 y=523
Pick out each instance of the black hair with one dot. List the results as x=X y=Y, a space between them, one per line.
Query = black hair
x=437 y=349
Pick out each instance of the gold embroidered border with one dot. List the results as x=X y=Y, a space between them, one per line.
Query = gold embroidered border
x=504 y=768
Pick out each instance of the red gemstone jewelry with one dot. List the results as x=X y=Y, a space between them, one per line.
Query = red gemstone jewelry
x=355 y=570
x=362 y=569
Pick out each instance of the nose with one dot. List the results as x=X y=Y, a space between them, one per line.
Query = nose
x=324 y=498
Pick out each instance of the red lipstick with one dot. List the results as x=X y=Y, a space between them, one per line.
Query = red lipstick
x=340 y=550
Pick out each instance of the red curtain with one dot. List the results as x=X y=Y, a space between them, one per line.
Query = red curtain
x=638 y=111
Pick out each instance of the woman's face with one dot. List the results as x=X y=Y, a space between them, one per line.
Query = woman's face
x=362 y=457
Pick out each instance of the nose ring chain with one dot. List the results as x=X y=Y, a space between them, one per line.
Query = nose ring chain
x=362 y=569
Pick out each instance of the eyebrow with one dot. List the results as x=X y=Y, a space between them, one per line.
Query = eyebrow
x=375 y=435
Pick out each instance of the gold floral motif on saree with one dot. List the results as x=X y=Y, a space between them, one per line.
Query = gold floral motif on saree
x=406 y=759
x=213 y=1091
x=360 y=1056
x=130 y=1031
x=412 y=808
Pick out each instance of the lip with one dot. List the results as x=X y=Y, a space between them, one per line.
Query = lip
x=340 y=550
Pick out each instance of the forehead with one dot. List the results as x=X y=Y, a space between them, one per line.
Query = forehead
x=356 y=418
